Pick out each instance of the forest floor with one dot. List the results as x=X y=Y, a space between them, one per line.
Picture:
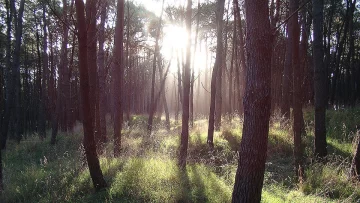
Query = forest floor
x=147 y=170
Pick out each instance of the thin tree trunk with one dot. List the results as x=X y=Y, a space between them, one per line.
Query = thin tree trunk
x=193 y=69
x=217 y=71
x=119 y=76
x=16 y=70
x=186 y=92
x=62 y=74
x=42 y=112
x=102 y=75
x=297 y=95
x=153 y=78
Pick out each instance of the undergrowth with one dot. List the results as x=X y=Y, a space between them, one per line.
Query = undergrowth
x=147 y=169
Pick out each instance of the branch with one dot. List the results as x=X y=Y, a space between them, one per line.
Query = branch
x=61 y=20
x=291 y=15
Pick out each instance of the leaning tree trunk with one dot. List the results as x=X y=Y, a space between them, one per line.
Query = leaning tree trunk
x=216 y=71
x=253 y=148
x=320 y=81
x=186 y=93
x=89 y=141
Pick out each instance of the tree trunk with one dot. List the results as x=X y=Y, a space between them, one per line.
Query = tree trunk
x=102 y=75
x=62 y=74
x=241 y=67
x=193 y=69
x=286 y=80
x=297 y=93
x=42 y=112
x=253 y=148
x=216 y=71
x=89 y=141
x=186 y=93
x=153 y=78
x=16 y=70
x=320 y=83
x=91 y=7
x=119 y=76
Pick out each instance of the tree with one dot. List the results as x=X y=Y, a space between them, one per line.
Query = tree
x=320 y=81
x=186 y=93
x=257 y=103
x=89 y=141
x=62 y=77
x=102 y=74
x=43 y=98
x=119 y=75
x=216 y=70
x=297 y=92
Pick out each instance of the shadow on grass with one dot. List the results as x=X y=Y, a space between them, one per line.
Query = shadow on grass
x=339 y=150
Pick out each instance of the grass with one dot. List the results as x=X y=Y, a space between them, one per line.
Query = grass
x=147 y=170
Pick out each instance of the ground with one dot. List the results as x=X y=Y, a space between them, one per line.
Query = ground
x=147 y=170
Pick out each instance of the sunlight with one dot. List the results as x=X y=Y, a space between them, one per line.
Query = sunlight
x=174 y=40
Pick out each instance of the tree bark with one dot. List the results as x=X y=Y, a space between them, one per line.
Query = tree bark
x=320 y=81
x=62 y=74
x=102 y=75
x=186 y=93
x=216 y=71
x=153 y=78
x=119 y=76
x=297 y=92
x=89 y=141
x=253 y=148
x=42 y=112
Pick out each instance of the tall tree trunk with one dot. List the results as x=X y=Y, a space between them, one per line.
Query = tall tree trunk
x=286 y=80
x=253 y=148
x=89 y=141
x=119 y=76
x=297 y=95
x=153 y=78
x=9 y=99
x=193 y=69
x=242 y=68
x=186 y=92
x=16 y=70
x=91 y=9
x=42 y=113
x=62 y=75
x=216 y=71
x=163 y=98
x=320 y=83
x=102 y=75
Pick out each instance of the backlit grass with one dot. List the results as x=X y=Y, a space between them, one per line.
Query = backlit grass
x=147 y=170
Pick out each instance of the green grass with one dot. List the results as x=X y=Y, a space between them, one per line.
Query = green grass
x=147 y=170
